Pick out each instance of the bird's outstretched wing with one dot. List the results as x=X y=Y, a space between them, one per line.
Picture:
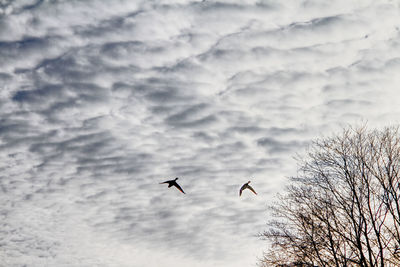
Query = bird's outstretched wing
x=251 y=188
x=179 y=188
x=241 y=189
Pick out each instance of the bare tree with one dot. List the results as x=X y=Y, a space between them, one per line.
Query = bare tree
x=343 y=208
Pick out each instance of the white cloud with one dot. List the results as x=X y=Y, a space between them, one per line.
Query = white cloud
x=102 y=101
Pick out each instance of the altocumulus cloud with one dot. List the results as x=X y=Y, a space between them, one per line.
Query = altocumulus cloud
x=102 y=101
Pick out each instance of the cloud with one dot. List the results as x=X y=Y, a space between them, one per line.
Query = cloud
x=103 y=101
x=274 y=146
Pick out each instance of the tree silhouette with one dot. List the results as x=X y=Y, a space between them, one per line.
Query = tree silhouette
x=342 y=209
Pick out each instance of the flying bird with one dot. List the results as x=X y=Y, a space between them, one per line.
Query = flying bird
x=173 y=183
x=246 y=186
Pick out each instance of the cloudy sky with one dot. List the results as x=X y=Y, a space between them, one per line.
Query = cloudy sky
x=103 y=100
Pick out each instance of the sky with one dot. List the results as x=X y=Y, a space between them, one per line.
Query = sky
x=103 y=100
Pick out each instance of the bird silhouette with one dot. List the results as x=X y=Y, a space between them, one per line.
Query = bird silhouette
x=173 y=183
x=246 y=186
